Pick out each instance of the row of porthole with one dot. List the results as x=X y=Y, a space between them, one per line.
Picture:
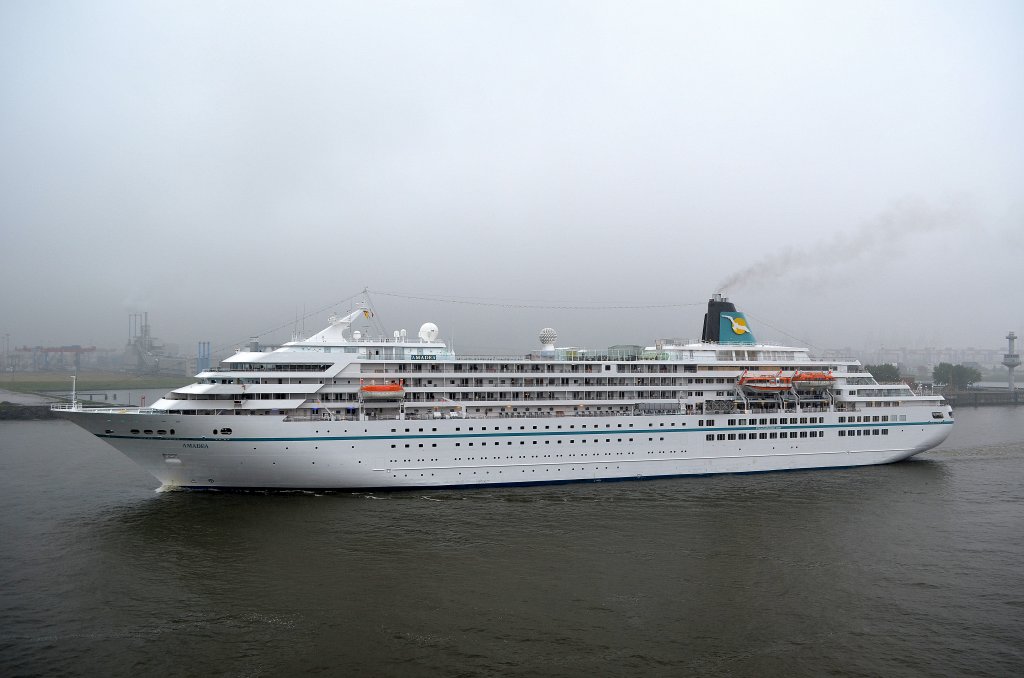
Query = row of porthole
x=523 y=456
x=523 y=442
x=535 y=456
x=765 y=436
x=523 y=428
x=533 y=470
x=870 y=417
x=148 y=431
x=772 y=421
x=560 y=427
x=557 y=442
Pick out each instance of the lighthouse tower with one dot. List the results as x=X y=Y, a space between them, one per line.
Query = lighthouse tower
x=1012 y=358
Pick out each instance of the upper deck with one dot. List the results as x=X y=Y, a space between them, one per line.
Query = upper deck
x=344 y=372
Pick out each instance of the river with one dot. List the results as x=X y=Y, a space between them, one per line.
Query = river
x=909 y=569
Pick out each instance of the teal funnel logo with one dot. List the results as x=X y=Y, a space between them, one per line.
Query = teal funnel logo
x=733 y=329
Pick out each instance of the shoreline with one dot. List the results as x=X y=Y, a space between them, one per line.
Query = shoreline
x=16 y=412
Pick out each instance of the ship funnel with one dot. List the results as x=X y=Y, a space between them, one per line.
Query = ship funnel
x=724 y=324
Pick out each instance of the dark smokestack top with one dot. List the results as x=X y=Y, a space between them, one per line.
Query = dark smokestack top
x=717 y=304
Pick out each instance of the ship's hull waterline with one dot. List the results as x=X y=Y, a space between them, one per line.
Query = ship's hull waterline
x=382 y=454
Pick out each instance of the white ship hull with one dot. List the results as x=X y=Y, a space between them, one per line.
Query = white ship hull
x=266 y=452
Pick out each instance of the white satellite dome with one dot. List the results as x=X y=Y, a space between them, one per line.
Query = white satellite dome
x=548 y=336
x=428 y=332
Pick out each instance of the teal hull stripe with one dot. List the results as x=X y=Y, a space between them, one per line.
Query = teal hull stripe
x=517 y=434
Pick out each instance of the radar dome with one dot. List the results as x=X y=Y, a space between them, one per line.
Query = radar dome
x=428 y=332
x=547 y=338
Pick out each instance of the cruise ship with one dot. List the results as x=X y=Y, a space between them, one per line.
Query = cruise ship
x=342 y=409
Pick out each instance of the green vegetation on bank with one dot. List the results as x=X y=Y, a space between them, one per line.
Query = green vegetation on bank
x=38 y=382
x=957 y=376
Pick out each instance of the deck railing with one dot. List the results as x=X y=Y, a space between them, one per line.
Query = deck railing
x=77 y=407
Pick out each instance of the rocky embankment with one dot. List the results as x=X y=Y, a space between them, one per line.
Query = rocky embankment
x=13 y=411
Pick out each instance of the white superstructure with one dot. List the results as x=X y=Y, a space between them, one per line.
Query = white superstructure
x=342 y=410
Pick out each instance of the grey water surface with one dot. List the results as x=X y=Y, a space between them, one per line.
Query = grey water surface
x=909 y=569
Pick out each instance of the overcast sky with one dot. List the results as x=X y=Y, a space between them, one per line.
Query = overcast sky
x=854 y=170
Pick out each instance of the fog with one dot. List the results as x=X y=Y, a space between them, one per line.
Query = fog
x=850 y=173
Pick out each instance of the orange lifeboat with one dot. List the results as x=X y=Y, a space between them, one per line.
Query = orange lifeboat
x=765 y=383
x=392 y=391
x=813 y=379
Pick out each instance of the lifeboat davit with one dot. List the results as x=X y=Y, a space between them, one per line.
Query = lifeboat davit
x=392 y=391
x=813 y=379
x=765 y=383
